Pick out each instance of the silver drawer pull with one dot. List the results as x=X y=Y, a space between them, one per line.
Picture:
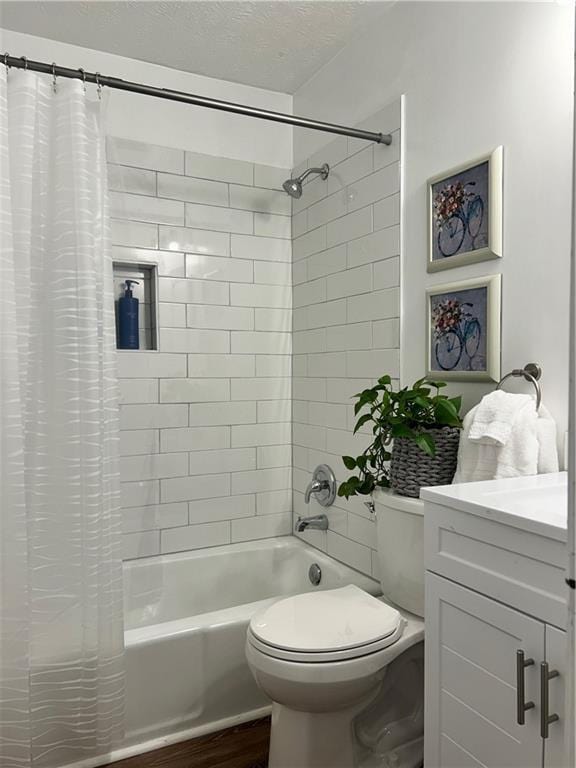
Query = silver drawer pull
x=521 y=705
x=545 y=718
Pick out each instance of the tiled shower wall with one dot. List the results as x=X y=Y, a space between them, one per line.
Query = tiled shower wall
x=205 y=420
x=346 y=278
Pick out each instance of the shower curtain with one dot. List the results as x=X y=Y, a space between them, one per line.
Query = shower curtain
x=61 y=631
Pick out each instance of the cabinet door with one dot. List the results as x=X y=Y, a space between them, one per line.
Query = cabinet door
x=471 y=681
x=556 y=654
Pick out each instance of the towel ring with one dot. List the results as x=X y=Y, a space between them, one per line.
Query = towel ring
x=531 y=372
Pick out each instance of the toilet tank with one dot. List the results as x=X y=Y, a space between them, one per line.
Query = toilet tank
x=400 y=536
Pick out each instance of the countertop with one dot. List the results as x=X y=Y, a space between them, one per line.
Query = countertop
x=538 y=504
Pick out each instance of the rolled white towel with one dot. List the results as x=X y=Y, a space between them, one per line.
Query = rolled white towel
x=496 y=415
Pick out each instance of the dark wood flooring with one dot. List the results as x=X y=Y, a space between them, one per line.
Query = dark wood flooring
x=245 y=746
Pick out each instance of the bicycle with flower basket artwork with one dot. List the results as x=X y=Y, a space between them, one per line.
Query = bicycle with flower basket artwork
x=457 y=210
x=457 y=331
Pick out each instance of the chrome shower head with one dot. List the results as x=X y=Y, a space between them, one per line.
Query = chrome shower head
x=294 y=186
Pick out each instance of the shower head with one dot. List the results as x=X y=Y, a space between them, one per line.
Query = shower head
x=294 y=186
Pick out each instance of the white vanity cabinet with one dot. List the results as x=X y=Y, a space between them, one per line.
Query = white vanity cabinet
x=495 y=641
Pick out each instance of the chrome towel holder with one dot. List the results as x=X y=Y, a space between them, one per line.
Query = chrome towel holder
x=531 y=372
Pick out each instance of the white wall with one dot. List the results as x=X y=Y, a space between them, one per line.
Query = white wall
x=151 y=120
x=475 y=75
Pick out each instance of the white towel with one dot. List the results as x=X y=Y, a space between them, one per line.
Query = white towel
x=529 y=449
x=495 y=416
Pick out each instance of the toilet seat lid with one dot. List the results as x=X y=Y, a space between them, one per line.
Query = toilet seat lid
x=332 y=620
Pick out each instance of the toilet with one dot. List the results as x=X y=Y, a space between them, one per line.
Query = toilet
x=344 y=669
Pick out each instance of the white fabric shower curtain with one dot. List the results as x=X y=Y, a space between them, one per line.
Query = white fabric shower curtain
x=61 y=630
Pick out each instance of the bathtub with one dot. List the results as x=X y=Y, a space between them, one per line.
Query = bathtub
x=186 y=620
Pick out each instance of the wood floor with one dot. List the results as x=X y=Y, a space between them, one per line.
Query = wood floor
x=245 y=746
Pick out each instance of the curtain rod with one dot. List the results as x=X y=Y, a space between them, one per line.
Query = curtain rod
x=189 y=98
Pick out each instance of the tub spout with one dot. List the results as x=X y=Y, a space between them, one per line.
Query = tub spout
x=316 y=522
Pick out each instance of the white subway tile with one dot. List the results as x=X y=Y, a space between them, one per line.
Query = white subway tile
x=310 y=243
x=193 y=291
x=273 y=502
x=219 y=317
x=273 y=296
x=299 y=365
x=140 y=208
x=172 y=315
x=153 y=467
x=351 y=336
x=139 y=441
x=140 y=365
x=139 y=494
x=274 y=456
x=267 y=319
x=272 y=225
x=261 y=342
x=141 y=155
x=329 y=313
x=192 y=190
x=350 y=282
x=153 y=416
x=194 y=537
x=309 y=341
x=219 y=219
x=362 y=530
x=219 y=168
x=194 y=390
x=327 y=209
x=216 y=366
x=261 y=480
x=377 y=305
x=374 y=364
x=227 y=508
x=260 y=389
x=121 y=178
x=170 y=264
x=387 y=212
x=300 y=319
x=133 y=233
x=273 y=365
x=251 y=528
x=269 y=176
x=327 y=365
x=154 y=517
x=194 y=439
x=386 y=334
x=274 y=410
x=299 y=271
x=260 y=434
x=223 y=460
x=349 y=552
x=141 y=544
x=271 y=272
x=194 y=340
x=342 y=390
x=327 y=262
x=299 y=223
x=315 y=189
x=195 y=487
x=328 y=415
x=258 y=199
x=309 y=293
x=261 y=248
x=308 y=388
x=374 y=247
x=343 y=443
x=349 y=227
x=355 y=167
x=387 y=273
x=138 y=391
x=216 y=268
x=309 y=436
x=215 y=414
x=380 y=184
x=195 y=241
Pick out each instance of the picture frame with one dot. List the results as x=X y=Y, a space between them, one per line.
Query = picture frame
x=463 y=330
x=465 y=213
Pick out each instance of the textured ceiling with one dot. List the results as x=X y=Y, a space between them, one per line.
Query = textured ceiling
x=277 y=45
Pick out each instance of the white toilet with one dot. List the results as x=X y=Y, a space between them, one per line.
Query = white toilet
x=345 y=670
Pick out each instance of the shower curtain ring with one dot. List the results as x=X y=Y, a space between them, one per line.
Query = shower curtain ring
x=83 y=73
x=98 y=85
x=54 y=76
x=25 y=60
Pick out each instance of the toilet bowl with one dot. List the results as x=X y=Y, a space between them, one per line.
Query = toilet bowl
x=344 y=669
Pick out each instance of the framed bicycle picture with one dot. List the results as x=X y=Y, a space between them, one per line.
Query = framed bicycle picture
x=465 y=214
x=463 y=330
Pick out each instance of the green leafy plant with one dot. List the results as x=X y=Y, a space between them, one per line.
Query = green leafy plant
x=409 y=413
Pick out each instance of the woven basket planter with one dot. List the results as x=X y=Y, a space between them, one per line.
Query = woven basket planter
x=412 y=469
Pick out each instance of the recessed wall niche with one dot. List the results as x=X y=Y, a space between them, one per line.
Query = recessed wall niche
x=146 y=291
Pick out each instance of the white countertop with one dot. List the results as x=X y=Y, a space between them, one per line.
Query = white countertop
x=538 y=504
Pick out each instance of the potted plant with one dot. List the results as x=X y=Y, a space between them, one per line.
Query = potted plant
x=415 y=431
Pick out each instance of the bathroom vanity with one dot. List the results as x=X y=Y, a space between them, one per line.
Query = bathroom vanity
x=496 y=615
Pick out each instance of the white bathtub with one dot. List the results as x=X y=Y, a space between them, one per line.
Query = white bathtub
x=186 y=619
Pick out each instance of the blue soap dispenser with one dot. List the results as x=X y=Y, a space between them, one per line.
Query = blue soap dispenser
x=128 y=318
